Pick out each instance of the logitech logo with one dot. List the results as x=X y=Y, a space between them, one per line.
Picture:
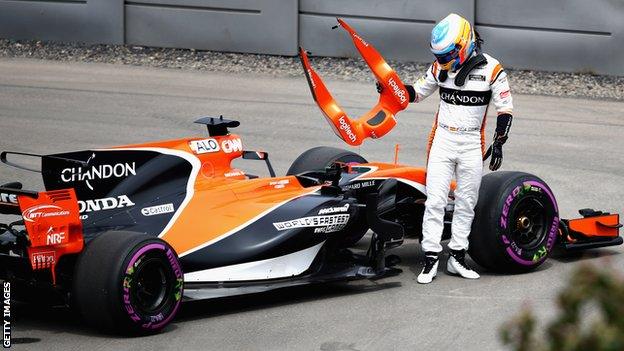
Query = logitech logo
x=400 y=93
x=347 y=128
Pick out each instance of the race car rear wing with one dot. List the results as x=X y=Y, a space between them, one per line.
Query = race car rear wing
x=4 y=158
x=51 y=226
x=9 y=194
x=380 y=119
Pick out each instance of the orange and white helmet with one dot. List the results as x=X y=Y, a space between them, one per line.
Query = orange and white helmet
x=452 y=42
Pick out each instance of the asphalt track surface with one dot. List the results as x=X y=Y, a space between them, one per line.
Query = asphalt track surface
x=575 y=145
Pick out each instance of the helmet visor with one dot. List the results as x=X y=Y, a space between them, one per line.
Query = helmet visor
x=448 y=56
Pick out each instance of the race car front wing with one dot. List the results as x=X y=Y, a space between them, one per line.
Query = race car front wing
x=595 y=229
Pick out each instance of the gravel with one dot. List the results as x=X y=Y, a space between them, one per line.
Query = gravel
x=522 y=81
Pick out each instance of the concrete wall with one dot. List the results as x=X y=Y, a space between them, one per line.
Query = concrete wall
x=92 y=21
x=556 y=35
x=399 y=29
x=552 y=35
x=258 y=26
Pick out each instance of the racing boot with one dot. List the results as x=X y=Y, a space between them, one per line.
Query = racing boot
x=430 y=269
x=456 y=265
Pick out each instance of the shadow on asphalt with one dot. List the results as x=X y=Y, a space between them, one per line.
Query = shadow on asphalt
x=562 y=256
x=30 y=318
x=193 y=310
x=414 y=260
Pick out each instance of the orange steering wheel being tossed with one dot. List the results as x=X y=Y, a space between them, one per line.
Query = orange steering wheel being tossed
x=380 y=119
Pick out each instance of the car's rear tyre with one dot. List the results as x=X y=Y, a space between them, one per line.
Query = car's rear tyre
x=128 y=282
x=516 y=223
x=317 y=159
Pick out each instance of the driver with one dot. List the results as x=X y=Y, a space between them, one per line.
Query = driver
x=467 y=80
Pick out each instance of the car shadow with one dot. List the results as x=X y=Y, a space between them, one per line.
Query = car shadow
x=31 y=318
x=563 y=256
x=411 y=255
x=193 y=310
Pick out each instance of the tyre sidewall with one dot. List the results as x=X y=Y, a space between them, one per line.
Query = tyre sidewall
x=537 y=255
x=135 y=318
x=491 y=245
x=102 y=269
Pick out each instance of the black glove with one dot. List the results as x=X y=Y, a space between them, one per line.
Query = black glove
x=410 y=91
x=497 y=156
x=503 y=124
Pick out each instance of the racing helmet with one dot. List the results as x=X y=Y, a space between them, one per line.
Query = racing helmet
x=452 y=42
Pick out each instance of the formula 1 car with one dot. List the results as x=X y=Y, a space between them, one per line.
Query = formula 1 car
x=125 y=234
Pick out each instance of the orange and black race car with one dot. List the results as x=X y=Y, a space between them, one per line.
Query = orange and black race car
x=126 y=233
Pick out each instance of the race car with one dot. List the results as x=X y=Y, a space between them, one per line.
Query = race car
x=125 y=234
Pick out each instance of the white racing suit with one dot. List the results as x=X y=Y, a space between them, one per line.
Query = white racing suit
x=457 y=145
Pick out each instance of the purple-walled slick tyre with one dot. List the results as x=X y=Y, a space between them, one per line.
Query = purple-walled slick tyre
x=129 y=283
x=516 y=223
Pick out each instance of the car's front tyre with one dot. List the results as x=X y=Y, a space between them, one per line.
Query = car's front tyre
x=516 y=223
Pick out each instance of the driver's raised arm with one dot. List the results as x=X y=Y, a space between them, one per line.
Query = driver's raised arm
x=425 y=86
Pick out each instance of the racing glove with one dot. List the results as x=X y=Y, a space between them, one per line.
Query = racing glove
x=410 y=91
x=503 y=124
x=497 y=156
x=379 y=87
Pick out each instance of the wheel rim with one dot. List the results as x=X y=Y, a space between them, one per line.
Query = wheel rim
x=529 y=223
x=153 y=283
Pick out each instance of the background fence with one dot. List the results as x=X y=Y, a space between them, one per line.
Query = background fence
x=556 y=35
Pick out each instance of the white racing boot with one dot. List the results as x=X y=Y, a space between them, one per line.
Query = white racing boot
x=456 y=265
x=430 y=269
